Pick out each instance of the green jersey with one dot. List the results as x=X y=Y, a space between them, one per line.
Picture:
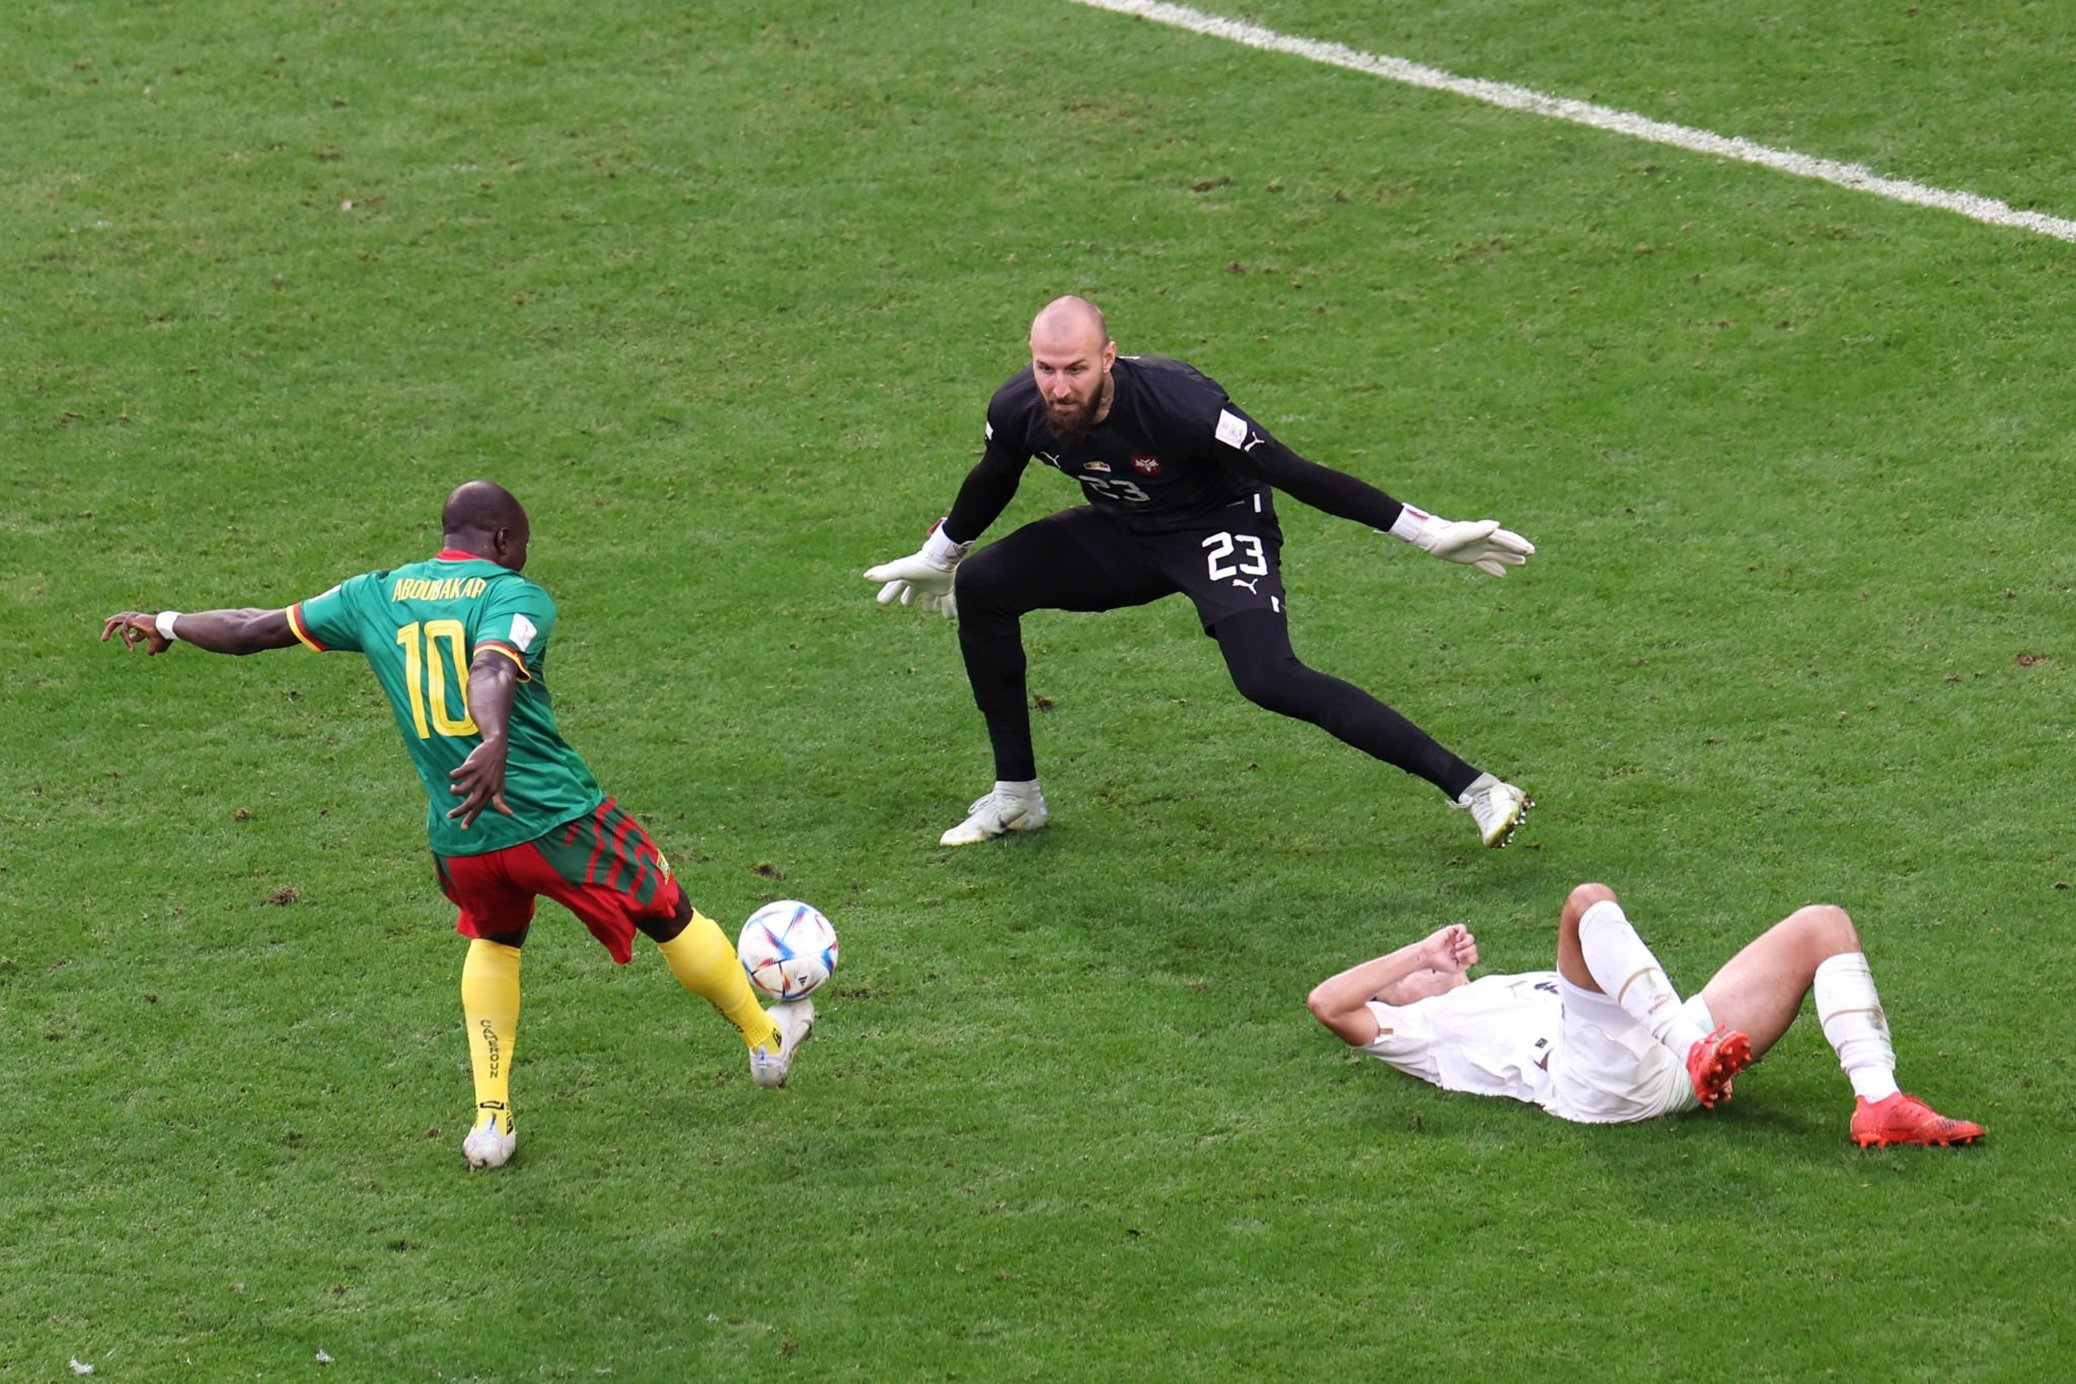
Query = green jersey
x=421 y=626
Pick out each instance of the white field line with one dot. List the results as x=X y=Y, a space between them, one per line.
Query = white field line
x=1849 y=175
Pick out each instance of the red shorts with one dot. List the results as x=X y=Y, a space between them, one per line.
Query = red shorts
x=602 y=867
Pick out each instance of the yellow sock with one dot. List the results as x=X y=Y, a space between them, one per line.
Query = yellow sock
x=490 y=1008
x=705 y=964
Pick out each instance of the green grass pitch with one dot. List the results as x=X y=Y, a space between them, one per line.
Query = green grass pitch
x=720 y=291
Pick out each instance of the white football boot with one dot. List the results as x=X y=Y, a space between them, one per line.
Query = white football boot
x=1496 y=806
x=1000 y=810
x=489 y=1147
x=795 y=1021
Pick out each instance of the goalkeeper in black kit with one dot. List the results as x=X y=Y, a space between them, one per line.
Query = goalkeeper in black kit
x=1179 y=483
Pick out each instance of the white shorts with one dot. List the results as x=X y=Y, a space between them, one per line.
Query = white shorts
x=1608 y=1069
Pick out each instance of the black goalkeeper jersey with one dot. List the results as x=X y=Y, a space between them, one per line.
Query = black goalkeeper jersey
x=1173 y=451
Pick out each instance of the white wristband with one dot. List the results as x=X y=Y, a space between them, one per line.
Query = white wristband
x=1412 y=524
x=165 y=625
x=940 y=551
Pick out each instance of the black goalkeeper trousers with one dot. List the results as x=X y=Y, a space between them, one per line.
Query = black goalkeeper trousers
x=1052 y=565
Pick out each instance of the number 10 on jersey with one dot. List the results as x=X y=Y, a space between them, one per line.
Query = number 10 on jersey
x=425 y=674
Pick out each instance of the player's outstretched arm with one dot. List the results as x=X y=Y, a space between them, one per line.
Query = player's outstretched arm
x=480 y=781
x=1428 y=967
x=1482 y=542
x=925 y=574
x=248 y=631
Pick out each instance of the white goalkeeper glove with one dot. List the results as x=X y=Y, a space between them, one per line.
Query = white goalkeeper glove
x=926 y=574
x=1482 y=543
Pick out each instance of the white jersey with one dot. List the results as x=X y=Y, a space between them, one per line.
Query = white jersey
x=1538 y=1038
x=1491 y=1037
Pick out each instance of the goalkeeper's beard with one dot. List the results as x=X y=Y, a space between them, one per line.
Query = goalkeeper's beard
x=1071 y=422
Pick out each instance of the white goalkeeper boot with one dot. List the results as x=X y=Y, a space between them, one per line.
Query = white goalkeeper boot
x=795 y=1021
x=1007 y=807
x=1496 y=806
x=490 y=1143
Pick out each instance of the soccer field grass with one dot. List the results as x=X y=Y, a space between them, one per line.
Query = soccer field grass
x=720 y=291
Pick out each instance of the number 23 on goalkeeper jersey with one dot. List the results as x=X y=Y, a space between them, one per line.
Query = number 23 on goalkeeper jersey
x=420 y=626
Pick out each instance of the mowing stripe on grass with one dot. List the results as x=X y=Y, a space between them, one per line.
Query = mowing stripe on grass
x=1849 y=175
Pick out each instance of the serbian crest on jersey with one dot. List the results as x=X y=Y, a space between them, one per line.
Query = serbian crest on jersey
x=1147 y=465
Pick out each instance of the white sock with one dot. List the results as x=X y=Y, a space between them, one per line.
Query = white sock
x=1629 y=974
x=1850 y=1013
x=1025 y=789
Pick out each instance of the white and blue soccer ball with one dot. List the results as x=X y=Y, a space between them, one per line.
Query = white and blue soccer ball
x=788 y=948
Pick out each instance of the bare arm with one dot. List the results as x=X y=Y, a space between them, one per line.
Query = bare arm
x=1427 y=967
x=247 y=631
x=480 y=781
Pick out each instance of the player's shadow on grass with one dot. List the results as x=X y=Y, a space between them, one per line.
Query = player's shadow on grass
x=1659 y=1158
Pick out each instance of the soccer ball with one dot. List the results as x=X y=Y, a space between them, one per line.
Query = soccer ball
x=788 y=948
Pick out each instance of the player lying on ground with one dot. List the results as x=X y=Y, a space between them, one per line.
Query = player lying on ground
x=1604 y=1038
x=1179 y=483
x=459 y=642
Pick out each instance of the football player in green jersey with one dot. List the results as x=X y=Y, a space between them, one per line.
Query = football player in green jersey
x=459 y=644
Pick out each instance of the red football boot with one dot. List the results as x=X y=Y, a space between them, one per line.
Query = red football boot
x=1714 y=1060
x=1904 y=1119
